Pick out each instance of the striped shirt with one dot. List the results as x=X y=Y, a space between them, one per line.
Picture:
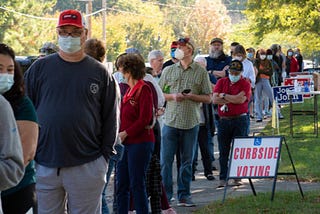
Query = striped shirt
x=174 y=79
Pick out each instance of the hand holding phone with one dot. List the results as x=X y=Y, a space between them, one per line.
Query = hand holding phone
x=186 y=91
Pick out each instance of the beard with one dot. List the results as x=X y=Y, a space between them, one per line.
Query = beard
x=215 y=53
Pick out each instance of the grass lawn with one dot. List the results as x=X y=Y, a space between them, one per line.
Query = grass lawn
x=305 y=151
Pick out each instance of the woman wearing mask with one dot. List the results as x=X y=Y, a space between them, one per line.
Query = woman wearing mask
x=22 y=197
x=138 y=139
x=263 y=69
x=292 y=64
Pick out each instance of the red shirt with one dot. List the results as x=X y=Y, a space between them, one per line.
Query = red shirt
x=294 y=65
x=224 y=85
x=136 y=113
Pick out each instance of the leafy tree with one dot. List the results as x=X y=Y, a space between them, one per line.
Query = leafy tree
x=134 y=24
x=295 y=18
x=26 y=34
x=208 y=19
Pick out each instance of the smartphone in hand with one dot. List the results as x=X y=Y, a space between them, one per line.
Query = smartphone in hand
x=186 y=91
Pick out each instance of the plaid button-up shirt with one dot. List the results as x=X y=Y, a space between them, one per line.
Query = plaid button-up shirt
x=174 y=79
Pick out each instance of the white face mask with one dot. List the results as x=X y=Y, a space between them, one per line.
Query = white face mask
x=69 y=44
x=262 y=57
x=178 y=54
x=6 y=82
x=238 y=58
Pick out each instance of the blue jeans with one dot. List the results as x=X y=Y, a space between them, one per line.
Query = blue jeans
x=228 y=129
x=262 y=89
x=112 y=162
x=105 y=209
x=131 y=177
x=169 y=145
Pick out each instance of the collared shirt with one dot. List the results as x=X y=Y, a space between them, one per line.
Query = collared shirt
x=174 y=79
x=224 y=85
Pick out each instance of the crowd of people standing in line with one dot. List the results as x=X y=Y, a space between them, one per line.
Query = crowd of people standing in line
x=78 y=123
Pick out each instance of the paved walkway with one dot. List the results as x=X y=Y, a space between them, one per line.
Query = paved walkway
x=205 y=192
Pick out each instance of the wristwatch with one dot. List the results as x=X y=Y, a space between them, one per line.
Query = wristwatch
x=223 y=95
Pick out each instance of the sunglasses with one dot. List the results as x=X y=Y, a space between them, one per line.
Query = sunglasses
x=185 y=41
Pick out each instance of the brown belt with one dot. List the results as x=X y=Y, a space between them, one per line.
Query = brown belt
x=232 y=117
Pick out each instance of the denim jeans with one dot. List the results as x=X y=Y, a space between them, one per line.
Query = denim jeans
x=131 y=177
x=262 y=89
x=112 y=162
x=105 y=209
x=228 y=129
x=169 y=144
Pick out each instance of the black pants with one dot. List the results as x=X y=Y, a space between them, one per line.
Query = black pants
x=205 y=155
x=20 y=202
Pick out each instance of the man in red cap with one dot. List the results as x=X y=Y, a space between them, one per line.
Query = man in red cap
x=173 y=47
x=77 y=102
x=185 y=85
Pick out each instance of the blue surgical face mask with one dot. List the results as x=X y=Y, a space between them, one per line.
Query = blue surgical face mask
x=234 y=78
x=6 y=82
x=172 y=52
x=69 y=44
x=269 y=57
x=250 y=55
x=290 y=53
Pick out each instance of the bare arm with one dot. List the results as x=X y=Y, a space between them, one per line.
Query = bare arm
x=236 y=99
x=219 y=100
x=221 y=73
x=200 y=98
x=28 y=131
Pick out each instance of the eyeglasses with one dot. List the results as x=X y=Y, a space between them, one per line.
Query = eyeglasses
x=64 y=33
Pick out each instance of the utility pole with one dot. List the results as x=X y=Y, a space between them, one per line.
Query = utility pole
x=104 y=22
x=88 y=18
x=89 y=11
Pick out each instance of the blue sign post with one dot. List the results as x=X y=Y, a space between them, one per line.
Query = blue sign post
x=280 y=94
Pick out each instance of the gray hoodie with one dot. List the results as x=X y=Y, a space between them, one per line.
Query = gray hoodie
x=11 y=157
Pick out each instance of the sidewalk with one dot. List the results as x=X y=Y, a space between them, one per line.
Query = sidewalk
x=205 y=192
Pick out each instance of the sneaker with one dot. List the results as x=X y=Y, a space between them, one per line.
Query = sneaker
x=222 y=183
x=172 y=199
x=214 y=168
x=259 y=120
x=236 y=182
x=210 y=177
x=186 y=203
x=169 y=211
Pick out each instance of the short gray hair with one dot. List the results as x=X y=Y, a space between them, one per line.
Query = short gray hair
x=154 y=54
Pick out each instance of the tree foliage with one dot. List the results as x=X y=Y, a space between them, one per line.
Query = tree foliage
x=208 y=19
x=24 y=33
x=298 y=18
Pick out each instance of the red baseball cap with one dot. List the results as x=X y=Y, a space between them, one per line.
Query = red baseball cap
x=71 y=17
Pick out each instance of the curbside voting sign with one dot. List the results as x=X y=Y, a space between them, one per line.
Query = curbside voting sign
x=254 y=157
